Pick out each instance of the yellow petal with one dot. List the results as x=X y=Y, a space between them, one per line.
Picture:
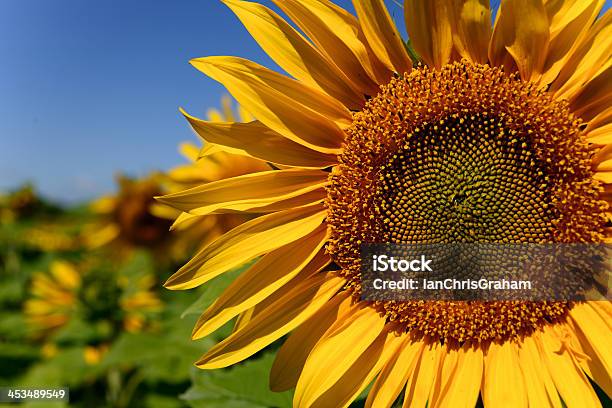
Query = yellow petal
x=186 y=174
x=593 y=110
x=104 y=205
x=590 y=55
x=214 y=115
x=245 y=242
x=603 y=119
x=334 y=354
x=268 y=275
x=448 y=366
x=228 y=112
x=458 y=384
x=569 y=23
x=605 y=165
x=102 y=236
x=184 y=220
x=594 y=96
x=292 y=355
x=318 y=264
x=210 y=148
x=38 y=307
x=189 y=150
x=43 y=286
x=288 y=312
x=261 y=142
x=604 y=310
x=245 y=192
x=429 y=29
x=163 y=211
x=360 y=373
x=572 y=384
x=601 y=155
x=242 y=319
x=65 y=274
x=293 y=53
x=49 y=321
x=603 y=176
x=541 y=391
x=296 y=111
x=382 y=35
x=594 y=335
x=317 y=195
x=244 y=115
x=472 y=29
x=503 y=384
x=601 y=135
x=337 y=34
x=520 y=37
x=423 y=377
x=394 y=374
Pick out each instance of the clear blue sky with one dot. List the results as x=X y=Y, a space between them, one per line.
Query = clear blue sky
x=90 y=88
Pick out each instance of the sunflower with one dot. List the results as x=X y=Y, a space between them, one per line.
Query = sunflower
x=54 y=297
x=24 y=203
x=126 y=219
x=468 y=132
x=138 y=301
x=39 y=223
x=207 y=164
x=65 y=294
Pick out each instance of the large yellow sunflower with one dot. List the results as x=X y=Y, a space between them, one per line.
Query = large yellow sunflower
x=487 y=134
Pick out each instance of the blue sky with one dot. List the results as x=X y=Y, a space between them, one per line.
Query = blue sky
x=88 y=89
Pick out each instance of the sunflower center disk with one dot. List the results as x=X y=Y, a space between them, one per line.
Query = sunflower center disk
x=466 y=154
x=462 y=180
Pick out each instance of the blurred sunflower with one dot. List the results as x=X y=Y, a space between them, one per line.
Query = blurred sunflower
x=50 y=237
x=102 y=300
x=24 y=203
x=127 y=221
x=207 y=164
x=138 y=301
x=41 y=227
x=54 y=296
x=376 y=140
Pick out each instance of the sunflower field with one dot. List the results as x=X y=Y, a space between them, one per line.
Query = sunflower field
x=83 y=306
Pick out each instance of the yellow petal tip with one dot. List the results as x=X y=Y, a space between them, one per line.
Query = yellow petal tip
x=204 y=364
x=171 y=284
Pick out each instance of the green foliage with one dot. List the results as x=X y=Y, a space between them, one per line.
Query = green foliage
x=243 y=386
x=67 y=368
x=149 y=367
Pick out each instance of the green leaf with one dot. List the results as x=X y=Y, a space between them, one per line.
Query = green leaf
x=12 y=326
x=67 y=368
x=243 y=386
x=77 y=331
x=166 y=355
x=15 y=359
x=139 y=264
x=162 y=401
